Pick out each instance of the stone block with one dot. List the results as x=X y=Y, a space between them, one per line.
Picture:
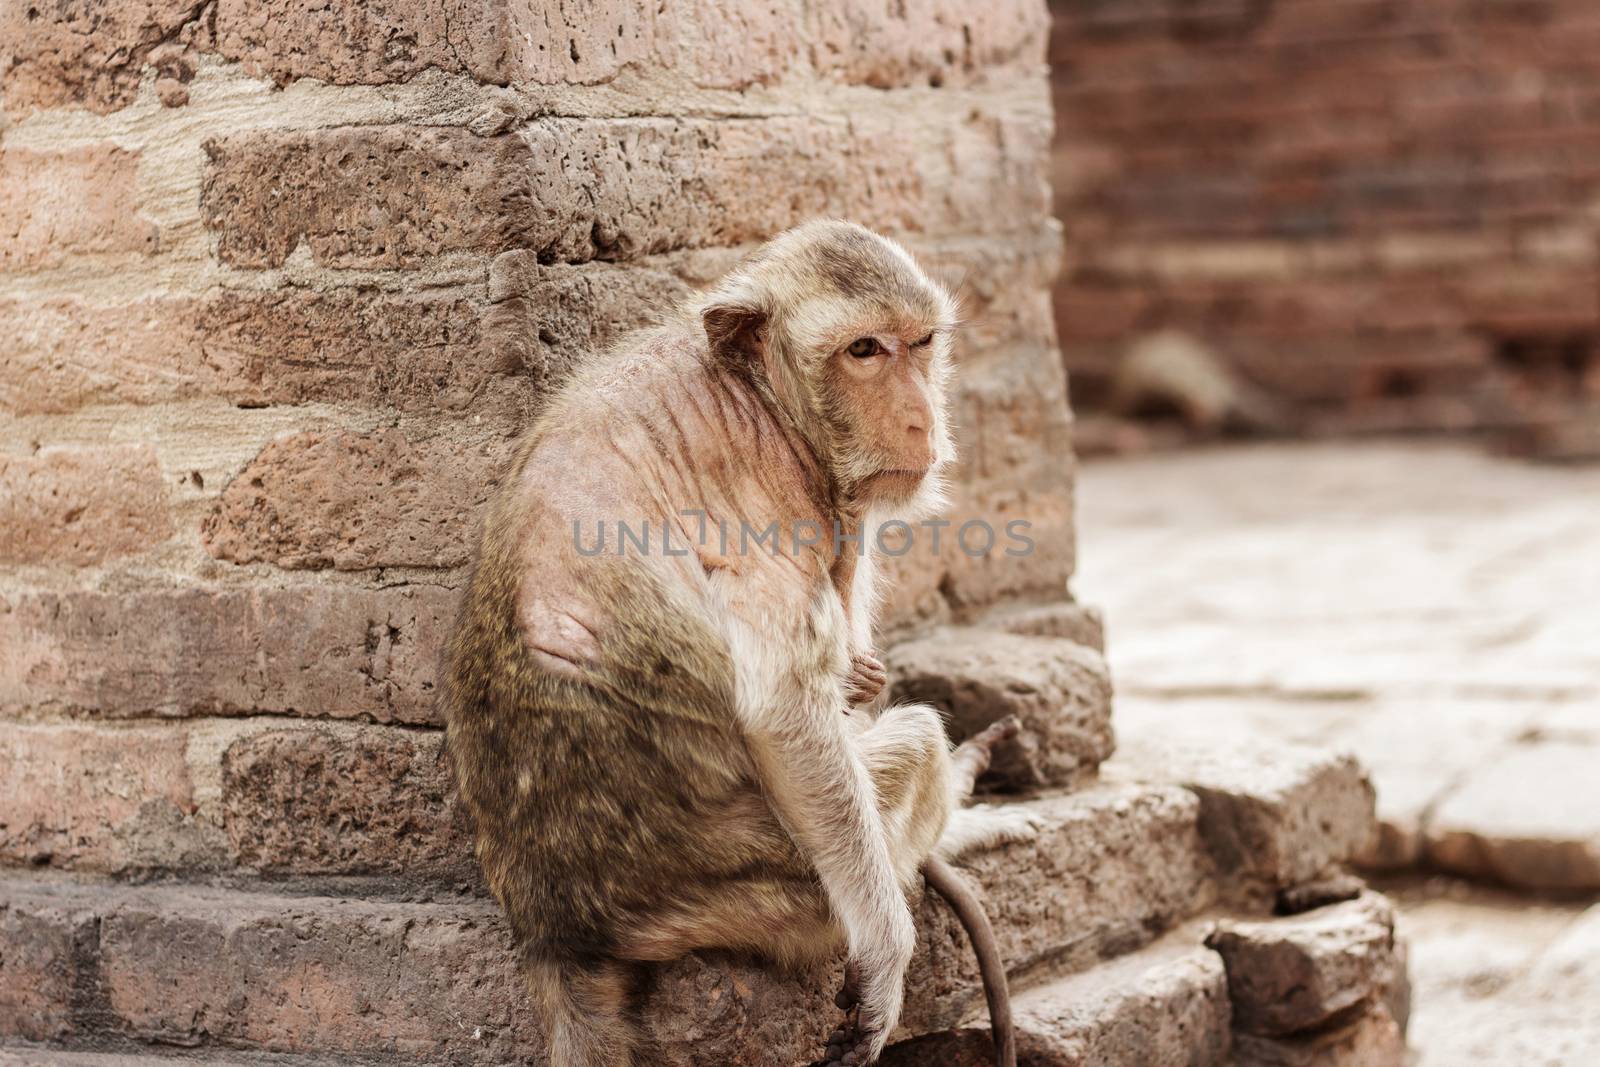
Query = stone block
x=1060 y=690
x=70 y=202
x=81 y=506
x=1373 y=1039
x=1272 y=815
x=355 y=501
x=1298 y=974
x=93 y=796
x=1164 y=1004
x=1528 y=817
x=322 y=650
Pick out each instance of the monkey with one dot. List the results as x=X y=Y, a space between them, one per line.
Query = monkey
x=661 y=741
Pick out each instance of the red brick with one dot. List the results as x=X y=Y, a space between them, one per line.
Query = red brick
x=81 y=505
x=1391 y=164
x=362 y=800
x=90 y=54
x=574 y=190
x=345 y=346
x=94 y=797
x=318 y=650
x=934 y=42
x=546 y=317
x=251 y=348
x=71 y=202
x=63 y=354
x=349 y=43
x=44 y=947
x=357 y=500
x=363 y=196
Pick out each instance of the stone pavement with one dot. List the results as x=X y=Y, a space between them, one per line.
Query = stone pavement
x=1431 y=608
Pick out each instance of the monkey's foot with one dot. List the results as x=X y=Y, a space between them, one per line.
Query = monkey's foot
x=848 y=1046
x=985 y=826
x=866 y=679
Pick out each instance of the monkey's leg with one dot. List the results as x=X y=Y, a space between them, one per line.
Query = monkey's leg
x=973 y=756
x=984 y=825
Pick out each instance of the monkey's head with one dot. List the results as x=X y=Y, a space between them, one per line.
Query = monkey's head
x=848 y=337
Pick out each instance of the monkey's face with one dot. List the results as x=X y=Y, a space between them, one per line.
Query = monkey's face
x=885 y=396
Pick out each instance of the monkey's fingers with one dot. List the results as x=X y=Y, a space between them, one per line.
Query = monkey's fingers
x=864 y=683
x=849 y=994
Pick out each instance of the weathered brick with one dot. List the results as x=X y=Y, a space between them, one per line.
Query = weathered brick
x=81 y=505
x=319 y=650
x=546 y=317
x=69 y=202
x=360 y=800
x=345 y=346
x=251 y=348
x=1164 y=1004
x=1080 y=623
x=1320 y=180
x=96 y=797
x=937 y=42
x=363 y=196
x=88 y=54
x=62 y=354
x=353 y=500
x=348 y=43
x=1300 y=974
x=579 y=189
x=44 y=946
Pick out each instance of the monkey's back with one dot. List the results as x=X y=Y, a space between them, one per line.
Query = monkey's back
x=594 y=792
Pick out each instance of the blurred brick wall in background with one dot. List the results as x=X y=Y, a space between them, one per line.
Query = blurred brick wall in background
x=1383 y=212
x=279 y=285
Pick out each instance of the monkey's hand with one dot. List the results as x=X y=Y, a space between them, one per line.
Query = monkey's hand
x=866 y=679
x=874 y=986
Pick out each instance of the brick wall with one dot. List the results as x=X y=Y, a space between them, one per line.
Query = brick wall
x=1385 y=212
x=279 y=288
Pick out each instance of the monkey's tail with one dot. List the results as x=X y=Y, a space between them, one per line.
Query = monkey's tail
x=584 y=1008
x=964 y=902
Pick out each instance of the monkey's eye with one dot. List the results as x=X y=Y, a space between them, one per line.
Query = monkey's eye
x=924 y=343
x=862 y=347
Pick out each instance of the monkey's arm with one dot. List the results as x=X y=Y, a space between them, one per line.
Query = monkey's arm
x=821 y=792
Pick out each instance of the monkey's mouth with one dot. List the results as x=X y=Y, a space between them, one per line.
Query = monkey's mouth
x=899 y=477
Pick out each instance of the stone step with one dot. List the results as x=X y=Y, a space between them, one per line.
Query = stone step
x=1327 y=987
x=1166 y=1003
x=203 y=966
x=1273 y=815
x=430 y=977
x=40 y=1056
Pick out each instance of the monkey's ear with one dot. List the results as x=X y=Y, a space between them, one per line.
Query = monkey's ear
x=733 y=331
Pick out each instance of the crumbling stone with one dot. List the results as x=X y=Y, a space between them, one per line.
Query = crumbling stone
x=1292 y=975
x=1274 y=815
